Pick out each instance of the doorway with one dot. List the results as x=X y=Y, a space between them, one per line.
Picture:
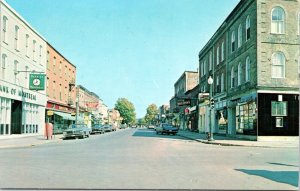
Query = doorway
x=16 y=117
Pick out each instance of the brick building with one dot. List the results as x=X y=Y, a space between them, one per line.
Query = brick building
x=253 y=58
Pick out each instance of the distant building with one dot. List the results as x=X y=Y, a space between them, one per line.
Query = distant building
x=163 y=112
x=22 y=53
x=253 y=58
x=179 y=102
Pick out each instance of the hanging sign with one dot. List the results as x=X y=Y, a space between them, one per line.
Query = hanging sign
x=37 y=82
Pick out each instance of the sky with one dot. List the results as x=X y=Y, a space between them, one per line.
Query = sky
x=133 y=49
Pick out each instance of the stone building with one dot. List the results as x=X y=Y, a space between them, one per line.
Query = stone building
x=253 y=58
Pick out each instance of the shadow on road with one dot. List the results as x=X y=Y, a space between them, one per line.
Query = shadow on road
x=287 y=177
x=281 y=164
x=152 y=134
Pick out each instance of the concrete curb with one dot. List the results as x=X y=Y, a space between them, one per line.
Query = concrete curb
x=30 y=144
x=229 y=144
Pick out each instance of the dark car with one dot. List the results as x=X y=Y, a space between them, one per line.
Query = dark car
x=97 y=129
x=77 y=131
x=107 y=128
x=166 y=128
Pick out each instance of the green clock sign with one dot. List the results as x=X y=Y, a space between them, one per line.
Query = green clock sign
x=37 y=82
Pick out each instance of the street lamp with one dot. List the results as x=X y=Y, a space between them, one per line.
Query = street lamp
x=210 y=81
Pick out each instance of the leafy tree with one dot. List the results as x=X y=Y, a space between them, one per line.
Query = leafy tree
x=126 y=110
x=152 y=111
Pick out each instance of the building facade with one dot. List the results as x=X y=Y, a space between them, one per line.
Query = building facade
x=61 y=91
x=23 y=53
x=180 y=102
x=254 y=58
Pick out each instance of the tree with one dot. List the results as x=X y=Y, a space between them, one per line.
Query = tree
x=126 y=110
x=152 y=111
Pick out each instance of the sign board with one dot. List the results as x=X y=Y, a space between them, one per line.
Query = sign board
x=183 y=102
x=49 y=112
x=73 y=114
x=37 y=82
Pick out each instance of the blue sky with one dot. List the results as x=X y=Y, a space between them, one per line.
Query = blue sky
x=136 y=49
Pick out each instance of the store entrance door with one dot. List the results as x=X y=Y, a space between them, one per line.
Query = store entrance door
x=16 y=117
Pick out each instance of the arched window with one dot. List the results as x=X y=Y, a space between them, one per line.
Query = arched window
x=232 y=41
x=247 y=69
x=4 y=29
x=247 y=28
x=232 y=77
x=240 y=36
x=210 y=60
x=240 y=73
x=278 y=65
x=278 y=21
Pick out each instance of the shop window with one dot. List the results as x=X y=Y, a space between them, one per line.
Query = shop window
x=279 y=108
x=1 y=129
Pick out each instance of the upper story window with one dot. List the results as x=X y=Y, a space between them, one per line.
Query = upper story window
x=33 y=49
x=40 y=54
x=17 y=37
x=218 y=56
x=232 y=77
x=54 y=63
x=278 y=65
x=232 y=41
x=247 y=28
x=3 y=66
x=16 y=70
x=4 y=28
x=222 y=82
x=205 y=66
x=240 y=73
x=240 y=32
x=210 y=60
x=218 y=84
x=222 y=51
x=247 y=69
x=27 y=44
x=298 y=23
x=48 y=57
x=278 y=21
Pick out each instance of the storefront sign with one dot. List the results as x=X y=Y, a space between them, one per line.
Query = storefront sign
x=49 y=112
x=183 y=102
x=15 y=92
x=37 y=82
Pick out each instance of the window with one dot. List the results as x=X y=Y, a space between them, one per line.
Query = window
x=3 y=66
x=279 y=108
x=4 y=29
x=48 y=57
x=232 y=41
x=232 y=77
x=222 y=51
x=54 y=63
x=218 y=56
x=205 y=67
x=60 y=63
x=218 y=85
x=278 y=21
x=16 y=37
x=298 y=23
x=16 y=70
x=222 y=82
x=26 y=44
x=240 y=36
x=247 y=69
x=278 y=65
x=201 y=69
x=248 y=28
x=210 y=60
x=239 y=74
x=26 y=72
x=33 y=49
x=40 y=54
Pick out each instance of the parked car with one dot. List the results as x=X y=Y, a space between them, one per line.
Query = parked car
x=107 y=128
x=97 y=129
x=166 y=128
x=77 y=131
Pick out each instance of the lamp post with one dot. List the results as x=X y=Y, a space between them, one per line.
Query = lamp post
x=210 y=81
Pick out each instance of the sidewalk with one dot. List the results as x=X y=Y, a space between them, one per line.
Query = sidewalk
x=17 y=141
x=229 y=141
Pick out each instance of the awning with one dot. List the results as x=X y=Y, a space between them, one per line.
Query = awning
x=65 y=116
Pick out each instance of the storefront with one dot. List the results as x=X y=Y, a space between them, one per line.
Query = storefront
x=221 y=114
x=22 y=111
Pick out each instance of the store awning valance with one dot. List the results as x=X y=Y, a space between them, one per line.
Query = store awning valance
x=65 y=116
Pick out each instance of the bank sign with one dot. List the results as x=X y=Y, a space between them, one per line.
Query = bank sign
x=37 y=82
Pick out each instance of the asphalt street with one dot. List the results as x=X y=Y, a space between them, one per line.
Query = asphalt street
x=140 y=159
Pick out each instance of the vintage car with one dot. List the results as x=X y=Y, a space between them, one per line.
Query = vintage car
x=77 y=131
x=166 y=128
x=97 y=129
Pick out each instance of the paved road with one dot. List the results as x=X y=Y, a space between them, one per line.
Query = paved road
x=139 y=159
